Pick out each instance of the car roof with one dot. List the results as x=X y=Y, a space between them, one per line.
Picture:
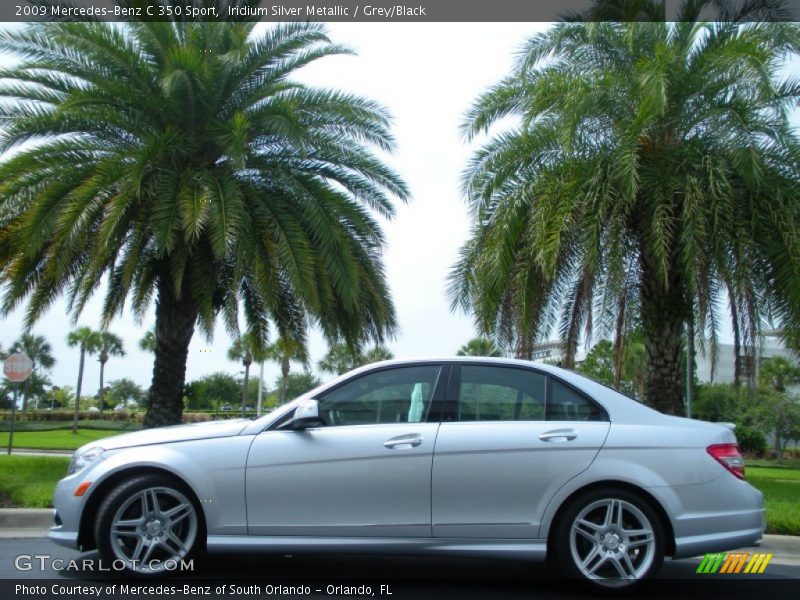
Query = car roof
x=621 y=408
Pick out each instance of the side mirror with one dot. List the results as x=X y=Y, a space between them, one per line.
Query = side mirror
x=306 y=415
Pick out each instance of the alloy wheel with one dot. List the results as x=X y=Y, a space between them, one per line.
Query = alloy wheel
x=612 y=542
x=153 y=527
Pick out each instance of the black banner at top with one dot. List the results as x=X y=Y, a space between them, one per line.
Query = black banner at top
x=397 y=10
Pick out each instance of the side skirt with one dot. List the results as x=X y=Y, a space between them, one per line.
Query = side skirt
x=495 y=548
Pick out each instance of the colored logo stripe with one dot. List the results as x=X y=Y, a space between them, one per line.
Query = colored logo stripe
x=735 y=562
x=711 y=563
x=758 y=563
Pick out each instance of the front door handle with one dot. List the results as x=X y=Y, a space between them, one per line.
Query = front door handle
x=403 y=441
x=559 y=435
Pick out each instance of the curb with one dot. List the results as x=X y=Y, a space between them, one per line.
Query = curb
x=787 y=545
x=33 y=519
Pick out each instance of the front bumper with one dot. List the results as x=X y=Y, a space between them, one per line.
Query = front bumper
x=68 y=539
x=68 y=510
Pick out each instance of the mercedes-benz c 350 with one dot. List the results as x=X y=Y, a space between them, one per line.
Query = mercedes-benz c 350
x=493 y=457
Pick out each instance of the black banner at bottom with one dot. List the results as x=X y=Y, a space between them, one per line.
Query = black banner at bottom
x=66 y=588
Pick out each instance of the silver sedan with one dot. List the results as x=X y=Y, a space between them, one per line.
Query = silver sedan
x=491 y=457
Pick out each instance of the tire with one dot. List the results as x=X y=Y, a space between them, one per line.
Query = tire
x=611 y=540
x=147 y=525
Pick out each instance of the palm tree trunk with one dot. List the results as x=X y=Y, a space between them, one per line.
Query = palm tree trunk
x=175 y=321
x=663 y=316
x=100 y=393
x=619 y=341
x=78 y=392
x=737 y=342
x=244 y=388
x=689 y=365
x=524 y=349
x=260 y=389
x=284 y=379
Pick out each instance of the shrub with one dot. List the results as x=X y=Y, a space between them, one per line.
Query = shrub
x=751 y=440
x=718 y=402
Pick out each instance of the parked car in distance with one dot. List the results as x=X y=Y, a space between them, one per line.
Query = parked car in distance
x=472 y=456
x=226 y=408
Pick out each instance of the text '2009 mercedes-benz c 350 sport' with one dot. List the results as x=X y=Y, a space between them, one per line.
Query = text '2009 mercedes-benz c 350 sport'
x=494 y=457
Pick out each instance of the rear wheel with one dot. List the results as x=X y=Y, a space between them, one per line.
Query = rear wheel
x=610 y=539
x=147 y=525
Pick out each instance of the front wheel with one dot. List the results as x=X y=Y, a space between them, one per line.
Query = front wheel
x=147 y=525
x=610 y=540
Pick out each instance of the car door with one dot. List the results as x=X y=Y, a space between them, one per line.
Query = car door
x=513 y=437
x=366 y=472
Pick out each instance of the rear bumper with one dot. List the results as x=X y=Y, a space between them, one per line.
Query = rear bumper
x=718 y=541
x=723 y=514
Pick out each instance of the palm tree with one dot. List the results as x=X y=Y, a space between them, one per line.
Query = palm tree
x=339 y=359
x=375 y=354
x=653 y=171
x=40 y=352
x=180 y=161
x=342 y=357
x=89 y=341
x=110 y=345
x=148 y=341
x=247 y=348
x=779 y=373
x=283 y=351
x=479 y=346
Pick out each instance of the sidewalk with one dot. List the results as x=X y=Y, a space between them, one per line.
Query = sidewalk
x=38 y=452
x=21 y=523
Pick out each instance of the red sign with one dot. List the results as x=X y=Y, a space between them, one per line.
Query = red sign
x=17 y=367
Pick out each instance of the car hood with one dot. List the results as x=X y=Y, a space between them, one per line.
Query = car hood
x=174 y=433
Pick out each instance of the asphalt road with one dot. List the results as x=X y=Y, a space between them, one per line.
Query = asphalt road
x=406 y=577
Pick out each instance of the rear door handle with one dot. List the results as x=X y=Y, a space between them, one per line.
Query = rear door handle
x=403 y=441
x=559 y=435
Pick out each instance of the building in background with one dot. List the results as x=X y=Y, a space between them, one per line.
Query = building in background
x=724 y=371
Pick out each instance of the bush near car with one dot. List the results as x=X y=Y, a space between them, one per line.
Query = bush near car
x=759 y=412
x=751 y=440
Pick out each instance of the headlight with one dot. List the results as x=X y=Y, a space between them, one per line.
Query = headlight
x=81 y=460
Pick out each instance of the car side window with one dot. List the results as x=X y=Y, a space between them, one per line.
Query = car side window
x=488 y=393
x=401 y=395
x=567 y=404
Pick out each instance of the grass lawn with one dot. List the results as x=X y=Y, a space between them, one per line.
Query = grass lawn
x=57 y=439
x=24 y=425
x=781 y=489
x=773 y=464
x=29 y=480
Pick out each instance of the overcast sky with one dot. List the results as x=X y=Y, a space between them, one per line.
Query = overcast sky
x=426 y=75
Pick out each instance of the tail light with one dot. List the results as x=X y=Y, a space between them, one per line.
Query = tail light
x=728 y=456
